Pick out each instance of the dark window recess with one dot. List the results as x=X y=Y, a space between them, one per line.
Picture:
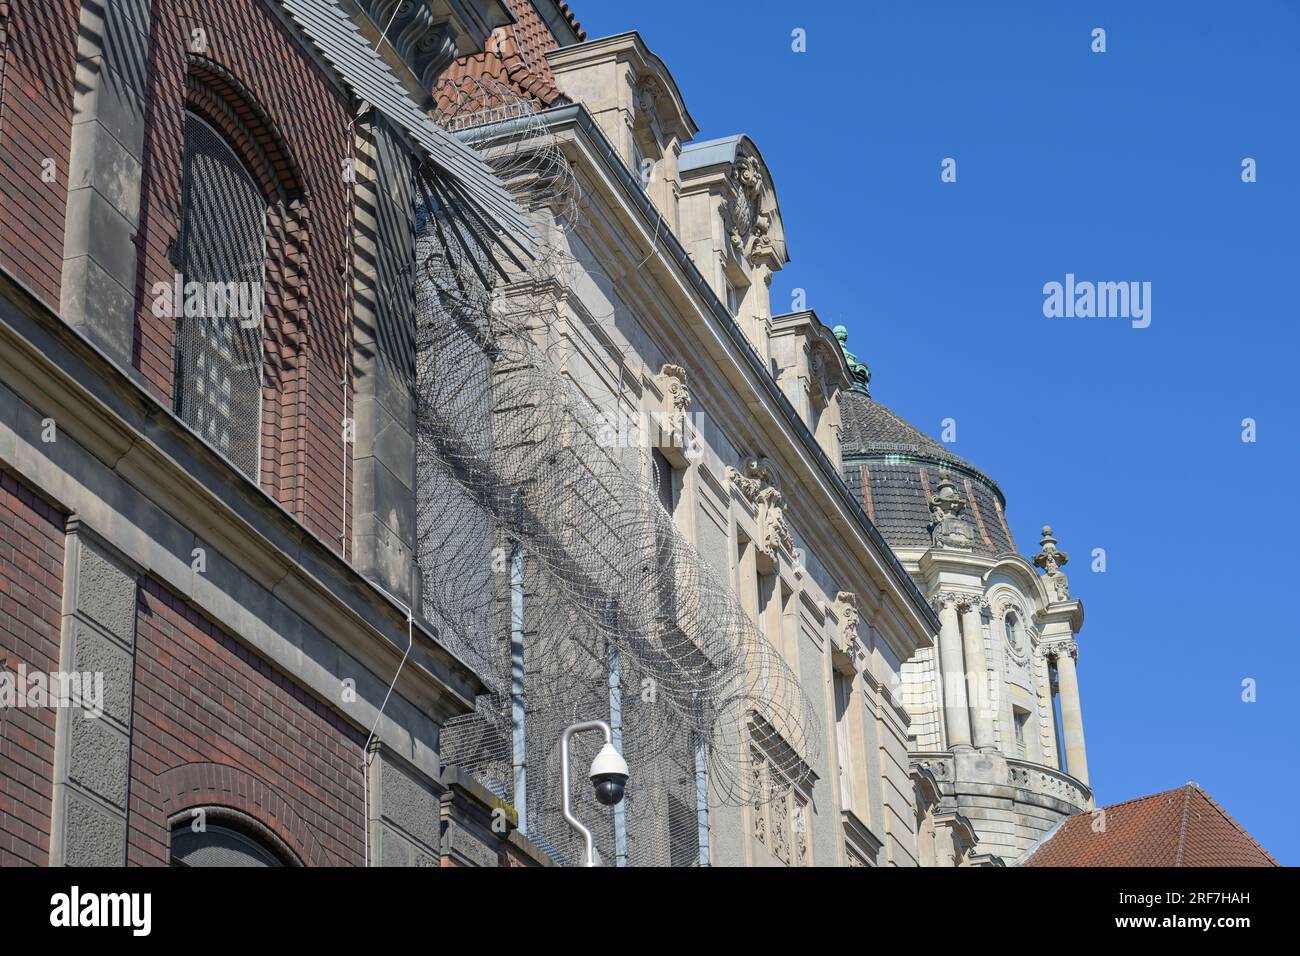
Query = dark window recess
x=221 y=249
x=664 y=472
x=218 y=846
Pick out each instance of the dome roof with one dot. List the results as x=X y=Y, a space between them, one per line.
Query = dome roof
x=893 y=468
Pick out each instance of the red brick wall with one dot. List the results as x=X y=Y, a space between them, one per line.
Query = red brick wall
x=201 y=699
x=37 y=55
x=31 y=608
x=297 y=138
x=301 y=124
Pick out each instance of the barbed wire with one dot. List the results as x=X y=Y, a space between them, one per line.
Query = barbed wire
x=622 y=616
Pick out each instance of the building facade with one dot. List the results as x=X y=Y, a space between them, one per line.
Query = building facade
x=206 y=496
x=381 y=397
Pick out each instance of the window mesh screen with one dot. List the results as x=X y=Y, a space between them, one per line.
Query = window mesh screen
x=221 y=254
x=218 y=846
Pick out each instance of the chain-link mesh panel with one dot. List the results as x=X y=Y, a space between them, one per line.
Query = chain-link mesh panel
x=221 y=253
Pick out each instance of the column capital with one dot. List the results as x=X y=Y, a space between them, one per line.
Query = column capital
x=1055 y=649
x=962 y=601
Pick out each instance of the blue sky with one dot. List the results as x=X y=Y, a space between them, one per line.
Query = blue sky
x=1115 y=166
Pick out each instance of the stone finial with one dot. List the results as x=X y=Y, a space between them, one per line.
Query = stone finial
x=948 y=529
x=859 y=373
x=1050 y=560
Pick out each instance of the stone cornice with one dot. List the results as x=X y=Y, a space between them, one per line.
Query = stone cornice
x=54 y=368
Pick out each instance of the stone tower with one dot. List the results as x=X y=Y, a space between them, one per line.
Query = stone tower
x=996 y=738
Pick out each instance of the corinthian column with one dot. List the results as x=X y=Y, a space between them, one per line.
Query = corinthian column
x=981 y=702
x=952 y=679
x=1076 y=755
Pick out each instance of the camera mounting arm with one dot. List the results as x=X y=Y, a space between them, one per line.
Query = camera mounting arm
x=589 y=853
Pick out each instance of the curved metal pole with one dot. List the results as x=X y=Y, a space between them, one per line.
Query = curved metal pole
x=589 y=853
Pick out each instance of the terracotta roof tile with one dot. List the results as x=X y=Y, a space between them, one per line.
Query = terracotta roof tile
x=514 y=56
x=1182 y=827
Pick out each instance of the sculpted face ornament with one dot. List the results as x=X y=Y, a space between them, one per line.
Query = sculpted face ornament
x=846 y=610
x=1051 y=560
x=948 y=529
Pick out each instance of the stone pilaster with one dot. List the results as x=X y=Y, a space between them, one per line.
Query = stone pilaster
x=981 y=703
x=404 y=813
x=104 y=167
x=1076 y=754
x=383 y=364
x=952 y=676
x=92 y=752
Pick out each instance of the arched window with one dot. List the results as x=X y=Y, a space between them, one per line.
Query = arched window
x=220 y=844
x=220 y=255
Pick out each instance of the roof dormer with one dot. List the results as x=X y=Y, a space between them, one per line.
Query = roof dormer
x=634 y=99
x=731 y=226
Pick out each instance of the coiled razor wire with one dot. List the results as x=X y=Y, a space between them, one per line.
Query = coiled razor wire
x=621 y=614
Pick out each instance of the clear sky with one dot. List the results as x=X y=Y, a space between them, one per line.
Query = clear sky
x=1117 y=166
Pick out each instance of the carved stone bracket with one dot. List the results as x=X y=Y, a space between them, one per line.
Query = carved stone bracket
x=671 y=382
x=757 y=483
x=846 y=612
x=426 y=47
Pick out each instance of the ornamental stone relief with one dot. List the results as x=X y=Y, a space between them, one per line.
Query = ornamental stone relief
x=671 y=382
x=846 y=612
x=748 y=225
x=756 y=482
x=948 y=529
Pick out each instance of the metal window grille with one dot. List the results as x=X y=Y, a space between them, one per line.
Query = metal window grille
x=221 y=252
x=218 y=846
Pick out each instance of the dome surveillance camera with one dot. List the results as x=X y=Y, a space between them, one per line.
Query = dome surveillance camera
x=609 y=775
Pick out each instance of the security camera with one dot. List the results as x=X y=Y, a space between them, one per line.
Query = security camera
x=609 y=775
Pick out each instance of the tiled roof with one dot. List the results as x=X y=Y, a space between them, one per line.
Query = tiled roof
x=1182 y=827
x=893 y=468
x=573 y=21
x=513 y=56
x=867 y=427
